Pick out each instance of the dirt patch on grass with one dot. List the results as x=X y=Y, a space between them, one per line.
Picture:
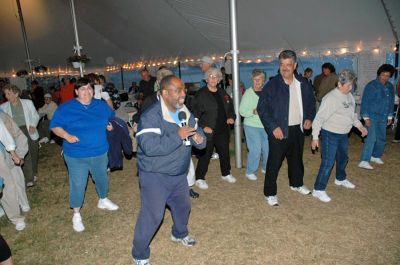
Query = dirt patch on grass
x=232 y=222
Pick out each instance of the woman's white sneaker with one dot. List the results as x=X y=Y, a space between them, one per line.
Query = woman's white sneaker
x=377 y=160
x=365 y=165
x=107 y=204
x=302 y=189
x=202 y=184
x=345 y=183
x=251 y=177
x=321 y=195
x=77 y=222
x=229 y=178
x=20 y=225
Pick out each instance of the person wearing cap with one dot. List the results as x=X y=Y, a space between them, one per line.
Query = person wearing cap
x=205 y=65
x=82 y=123
x=46 y=113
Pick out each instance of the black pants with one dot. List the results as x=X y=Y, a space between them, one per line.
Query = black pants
x=5 y=252
x=292 y=149
x=221 y=144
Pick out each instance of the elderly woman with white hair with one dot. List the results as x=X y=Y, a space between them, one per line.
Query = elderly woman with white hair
x=256 y=136
x=213 y=108
x=333 y=122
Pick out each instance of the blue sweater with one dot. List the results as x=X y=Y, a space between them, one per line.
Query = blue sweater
x=88 y=123
x=377 y=100
x=160 y=148
x=273 y=104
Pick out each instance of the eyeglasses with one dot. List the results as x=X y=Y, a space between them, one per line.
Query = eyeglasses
x=213 y=76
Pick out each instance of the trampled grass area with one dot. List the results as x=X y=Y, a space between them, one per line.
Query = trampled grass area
x=232 y=223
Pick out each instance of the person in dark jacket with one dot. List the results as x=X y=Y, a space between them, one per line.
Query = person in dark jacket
x=214 y=109
x=286 y=107
x=163 y=159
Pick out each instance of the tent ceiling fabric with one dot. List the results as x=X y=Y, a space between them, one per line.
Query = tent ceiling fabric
x=113 y=32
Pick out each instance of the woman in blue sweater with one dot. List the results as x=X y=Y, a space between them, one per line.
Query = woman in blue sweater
x=82 y=123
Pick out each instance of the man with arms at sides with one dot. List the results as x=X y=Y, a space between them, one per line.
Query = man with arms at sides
x=286 y=107
x=163 y=160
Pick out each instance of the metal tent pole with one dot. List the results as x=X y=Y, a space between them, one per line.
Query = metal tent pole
x=28 y=56
x=122 y=78
x=77 y=46
x=235 y=74
x=179 y=70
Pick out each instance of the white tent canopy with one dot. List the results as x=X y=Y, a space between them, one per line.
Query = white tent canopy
x=116 y=32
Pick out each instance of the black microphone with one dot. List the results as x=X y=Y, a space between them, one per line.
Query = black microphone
x=182 y=118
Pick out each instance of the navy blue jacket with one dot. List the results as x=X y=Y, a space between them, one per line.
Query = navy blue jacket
x=118 y=141
x=273 y=104
x=161 y=150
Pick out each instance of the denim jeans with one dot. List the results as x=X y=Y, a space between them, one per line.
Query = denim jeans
x=78 y=170
x=374 y=144
x=333 y=147
x=257 y=142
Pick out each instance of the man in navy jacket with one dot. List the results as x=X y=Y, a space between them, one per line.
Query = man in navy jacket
x=286 y=107
x=163 y=160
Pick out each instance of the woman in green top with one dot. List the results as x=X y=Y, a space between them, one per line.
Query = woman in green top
x=256 y=137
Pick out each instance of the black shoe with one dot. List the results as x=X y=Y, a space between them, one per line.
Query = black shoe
x=193 y=194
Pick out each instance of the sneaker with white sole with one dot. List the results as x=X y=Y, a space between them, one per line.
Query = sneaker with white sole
x=229 y=178
x=377 y=160
x=272 y=200
x=302 y=190
x=365 y=165
x=30 y=184
x=214 y=156
x=141 y=261
x=263 y=171
x=321 y=195
x=77 y=224
x=345 y=183
x=44 y=140
x=20 y=225
x=107 y=205
x=25 y=208
x=251 y=177
x=52 y=141
x=187 y=241
x=201 y=184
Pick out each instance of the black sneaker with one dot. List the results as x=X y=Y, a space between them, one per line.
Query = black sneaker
x=193 y=194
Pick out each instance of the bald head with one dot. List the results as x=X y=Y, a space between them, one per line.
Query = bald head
x=173 y=92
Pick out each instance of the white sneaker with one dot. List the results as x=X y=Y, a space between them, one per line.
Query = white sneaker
x=187 y=241
x=77 y=222
x=272 y=200
x=215 y=156
x=263 y=171
x=25 y=208
x=251 y=177
x=20 y=225
x=302 y=189
x=229 y=178
x=52 y=141
x=321 y=195
x=365 y=165
x=141 y=261
x=30 y=184
x=202 y=184
x=35 y=178
x=44 y=140
x=107 y=205
x=345 y=183
x=377 y=160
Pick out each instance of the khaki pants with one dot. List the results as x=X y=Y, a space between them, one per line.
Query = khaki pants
x=30 y=167
x=14 y=189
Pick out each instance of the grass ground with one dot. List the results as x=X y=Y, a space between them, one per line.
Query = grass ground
x=232 y=223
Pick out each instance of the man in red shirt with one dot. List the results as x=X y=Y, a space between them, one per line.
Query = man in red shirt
x=67 y=90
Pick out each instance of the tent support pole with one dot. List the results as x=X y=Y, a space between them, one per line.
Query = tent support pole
x=28 y=56
x=78 y=47
x=396 y=60
x=235 y=74
x=179 y=69
x=122 y=78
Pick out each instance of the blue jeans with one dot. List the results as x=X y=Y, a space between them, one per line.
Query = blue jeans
x=374 y=144
x=78 y=170
x=257 y=142
x=333 y=147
